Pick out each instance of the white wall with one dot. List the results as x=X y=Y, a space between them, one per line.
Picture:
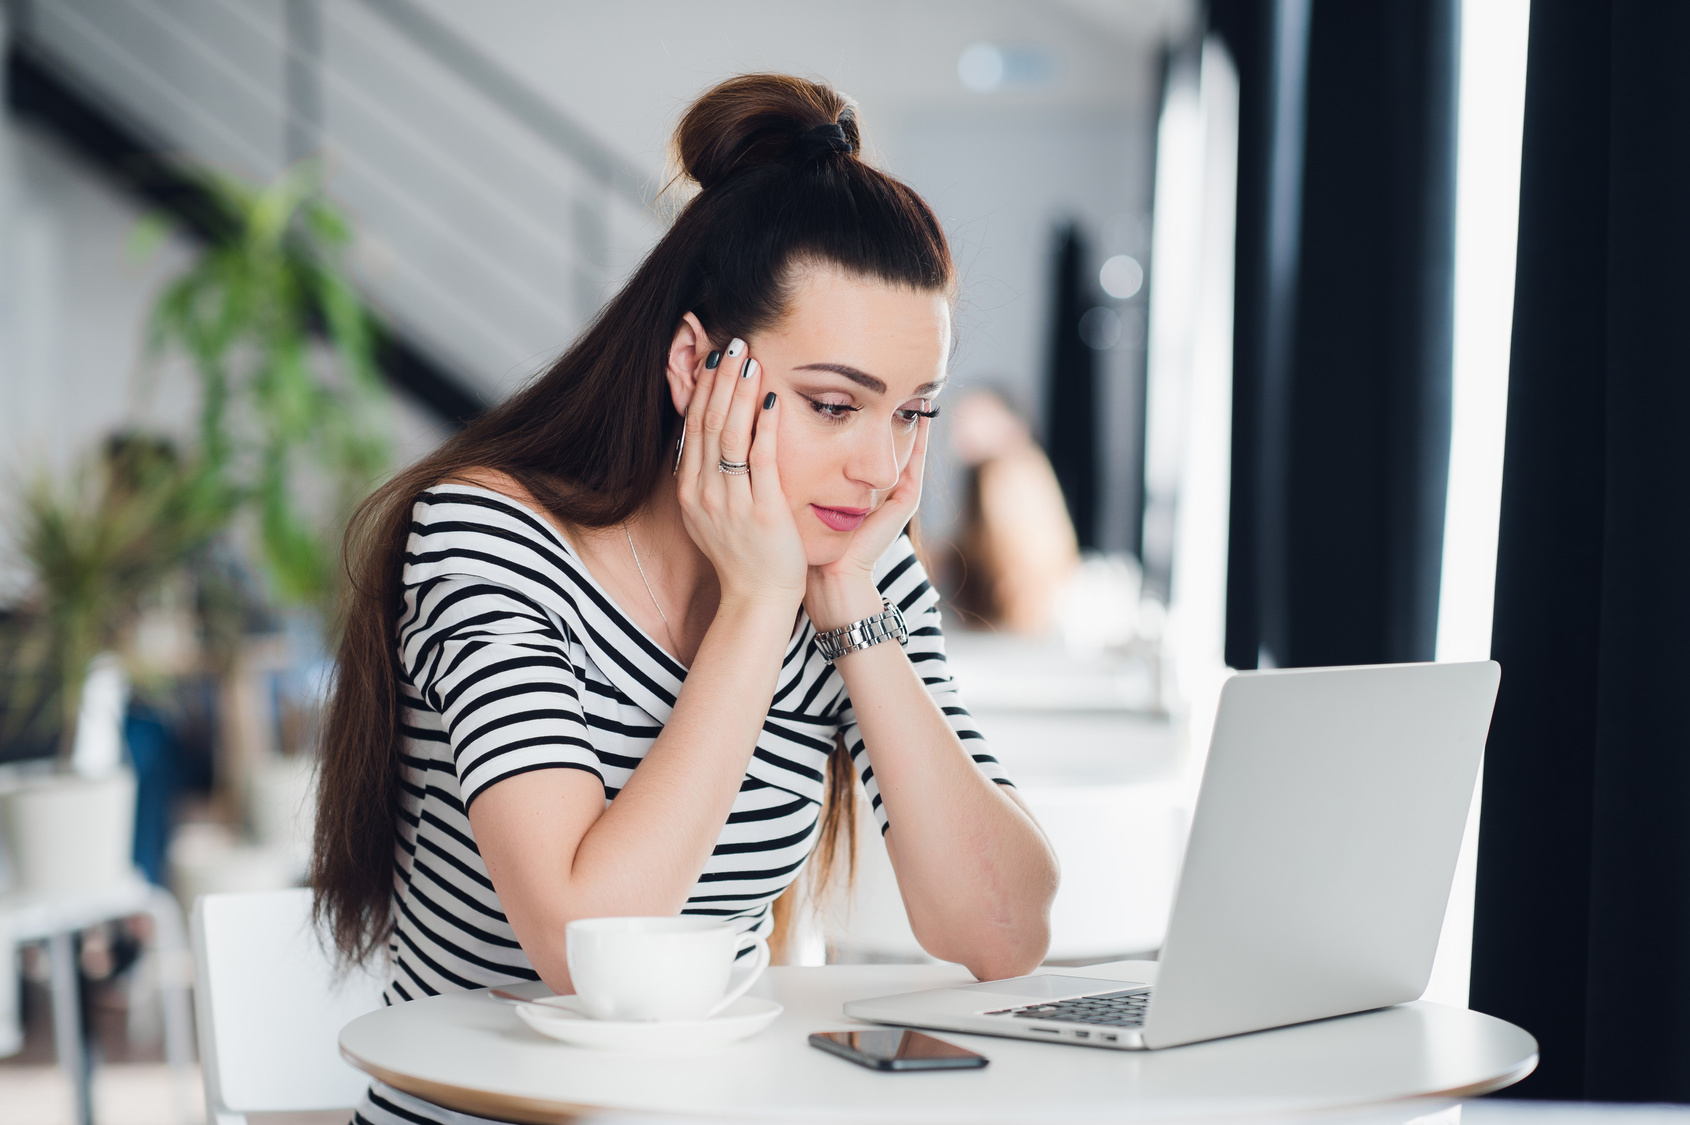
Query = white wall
x=1001 y=182
x=73 y=310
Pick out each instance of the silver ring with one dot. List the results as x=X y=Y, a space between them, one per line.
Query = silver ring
x=732 y=468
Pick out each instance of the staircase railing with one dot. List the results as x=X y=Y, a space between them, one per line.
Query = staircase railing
x=490 y=223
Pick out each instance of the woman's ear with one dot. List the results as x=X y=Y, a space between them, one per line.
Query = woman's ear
x=687 y=352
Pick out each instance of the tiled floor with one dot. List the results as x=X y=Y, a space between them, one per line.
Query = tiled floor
x=132 y=1085
x=124 y=1094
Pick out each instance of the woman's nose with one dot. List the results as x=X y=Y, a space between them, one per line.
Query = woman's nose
x=874 y=462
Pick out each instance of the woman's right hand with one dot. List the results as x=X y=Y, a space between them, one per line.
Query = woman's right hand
x=741 y=522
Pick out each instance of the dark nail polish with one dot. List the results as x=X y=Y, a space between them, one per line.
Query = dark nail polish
x=769 y=401
x=711 y=360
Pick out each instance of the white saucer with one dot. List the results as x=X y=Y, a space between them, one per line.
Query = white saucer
x=565 y=1018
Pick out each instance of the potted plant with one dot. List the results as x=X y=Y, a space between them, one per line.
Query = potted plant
x=95 y=547
x=293 y=419
x=291 y=404
x=291 y=430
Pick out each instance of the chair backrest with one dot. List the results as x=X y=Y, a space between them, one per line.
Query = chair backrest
x=270 y=1006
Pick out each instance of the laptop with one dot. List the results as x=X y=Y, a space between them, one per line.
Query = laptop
x=1322 y=850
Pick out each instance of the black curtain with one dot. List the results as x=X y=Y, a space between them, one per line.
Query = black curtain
x=1267 y=42
x=1071 y=398
x=1344 y=321
x=1582 y=927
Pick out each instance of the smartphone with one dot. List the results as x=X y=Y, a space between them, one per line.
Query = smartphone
x=895 y=1049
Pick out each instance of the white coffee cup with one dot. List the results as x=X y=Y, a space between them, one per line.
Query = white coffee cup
x=676 y=968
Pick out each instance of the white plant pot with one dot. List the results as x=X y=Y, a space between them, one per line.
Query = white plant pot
x=66 y=833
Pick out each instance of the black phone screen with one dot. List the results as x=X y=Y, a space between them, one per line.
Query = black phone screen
x=896 y=1049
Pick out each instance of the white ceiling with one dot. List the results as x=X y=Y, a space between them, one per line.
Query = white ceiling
x=627 y=70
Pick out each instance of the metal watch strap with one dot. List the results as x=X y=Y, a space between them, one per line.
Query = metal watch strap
x=870 y=631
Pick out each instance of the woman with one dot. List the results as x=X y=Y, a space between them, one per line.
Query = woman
x=1017 y=550
x=585 y=667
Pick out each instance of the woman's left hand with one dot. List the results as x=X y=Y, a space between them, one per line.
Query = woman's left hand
x=846 y=587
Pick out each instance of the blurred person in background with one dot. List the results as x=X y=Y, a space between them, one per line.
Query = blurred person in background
x=583 y=671
x=1016 y=545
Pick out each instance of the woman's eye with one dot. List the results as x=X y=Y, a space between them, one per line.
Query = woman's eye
x=833 y=411
x=910 y=414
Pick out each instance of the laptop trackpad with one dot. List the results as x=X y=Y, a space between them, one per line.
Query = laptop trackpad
x=1051 y=986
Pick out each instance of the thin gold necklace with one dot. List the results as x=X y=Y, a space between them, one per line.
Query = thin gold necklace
x=652 y=594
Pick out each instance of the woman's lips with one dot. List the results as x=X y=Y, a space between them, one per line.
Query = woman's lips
x=841 y=519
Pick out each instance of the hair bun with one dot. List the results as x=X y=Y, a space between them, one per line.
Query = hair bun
x=760 y=119
x=821 y=141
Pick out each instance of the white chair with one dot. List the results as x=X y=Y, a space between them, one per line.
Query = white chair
x=270 y=1006
x=54 y=917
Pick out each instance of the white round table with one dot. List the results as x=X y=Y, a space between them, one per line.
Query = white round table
x=470 y=1052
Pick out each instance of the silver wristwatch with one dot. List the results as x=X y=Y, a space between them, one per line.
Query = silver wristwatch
x=884 y=626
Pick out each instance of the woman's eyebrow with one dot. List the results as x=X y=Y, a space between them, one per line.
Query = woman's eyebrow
x=864 y=379
x=861 y=378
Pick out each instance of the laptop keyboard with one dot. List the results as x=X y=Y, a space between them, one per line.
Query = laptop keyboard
x=1110 y=1009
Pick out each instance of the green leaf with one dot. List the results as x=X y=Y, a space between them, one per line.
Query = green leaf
x=150 y=232
x=251 y=314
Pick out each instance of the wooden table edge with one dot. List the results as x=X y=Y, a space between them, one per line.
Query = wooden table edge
x=537 y=1111
x=1490 y=1086
x=505 y=1107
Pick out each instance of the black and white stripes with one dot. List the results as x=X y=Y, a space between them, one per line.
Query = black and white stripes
x=514 y=659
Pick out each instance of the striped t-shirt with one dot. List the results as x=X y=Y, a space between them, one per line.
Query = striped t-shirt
x=514 y=658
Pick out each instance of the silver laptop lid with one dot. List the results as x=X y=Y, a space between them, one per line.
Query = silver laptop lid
x=1322 y=847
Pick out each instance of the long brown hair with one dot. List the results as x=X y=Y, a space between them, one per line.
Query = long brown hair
x=776 y=161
